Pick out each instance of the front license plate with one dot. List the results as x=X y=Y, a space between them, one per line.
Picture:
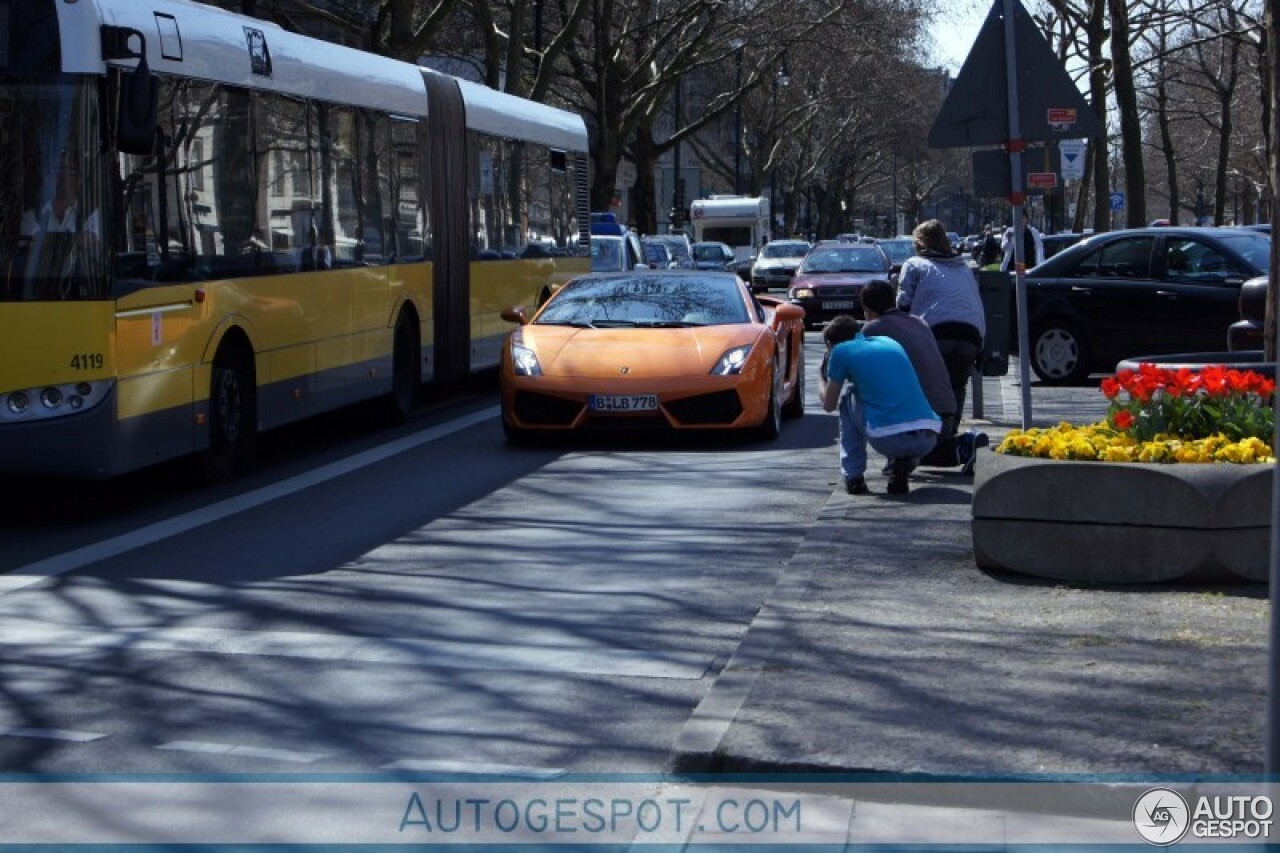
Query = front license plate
x=838 y=304
x=623 y=402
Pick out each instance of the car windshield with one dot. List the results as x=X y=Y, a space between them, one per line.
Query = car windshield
x=646 y=301
x=606 y=254
x=785 y=250
x=897 y=250
x=655 y=253
x=843 y=260
x=53 y=241
x=708 y=253
x=678 y=247
x=1254 y=247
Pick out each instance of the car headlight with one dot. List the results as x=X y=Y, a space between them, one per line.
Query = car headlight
x=732 y=362
x=525 y=361
x=802 y=293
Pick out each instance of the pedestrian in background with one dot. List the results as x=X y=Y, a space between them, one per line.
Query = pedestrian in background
x=885 y=318
x=937 y=286
x=1032 y=247
x=988 y=248
x=884 y=406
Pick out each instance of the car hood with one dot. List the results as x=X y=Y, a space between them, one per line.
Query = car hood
x=817 y=281
x=564 y=351
x=777 y=263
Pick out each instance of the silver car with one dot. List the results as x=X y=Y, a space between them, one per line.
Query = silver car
x=776 y=264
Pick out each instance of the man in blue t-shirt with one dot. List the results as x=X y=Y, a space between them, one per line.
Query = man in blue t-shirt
x=885 y=405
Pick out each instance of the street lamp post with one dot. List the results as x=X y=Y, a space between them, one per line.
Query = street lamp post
x=737 y=45
x=783 y=78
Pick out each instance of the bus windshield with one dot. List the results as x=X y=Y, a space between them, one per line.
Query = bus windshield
x=52 y=185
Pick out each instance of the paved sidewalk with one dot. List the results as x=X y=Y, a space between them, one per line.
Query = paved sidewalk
x=884 y=648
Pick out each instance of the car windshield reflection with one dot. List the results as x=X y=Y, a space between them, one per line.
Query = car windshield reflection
x=646 y=302
x=844 y=260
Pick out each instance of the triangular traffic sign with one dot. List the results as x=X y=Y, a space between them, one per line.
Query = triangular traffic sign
x=976 y=110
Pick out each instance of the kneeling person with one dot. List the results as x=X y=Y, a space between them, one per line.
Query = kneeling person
x=885 y=405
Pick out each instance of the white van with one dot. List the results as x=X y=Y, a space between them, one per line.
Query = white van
x=740 y=222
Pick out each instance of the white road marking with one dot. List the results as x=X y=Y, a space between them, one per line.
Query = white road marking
x=33 y=573
x=470 y=767
x=431 y=654
x=243 y=751
x=53 y=734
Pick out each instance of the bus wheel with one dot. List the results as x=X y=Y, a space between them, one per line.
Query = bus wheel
x=233 y=419
x=406 y=378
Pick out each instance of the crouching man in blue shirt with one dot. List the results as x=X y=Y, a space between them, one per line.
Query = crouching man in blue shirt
x=885 y=405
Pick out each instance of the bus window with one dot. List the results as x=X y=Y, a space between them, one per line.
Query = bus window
x=377 y=239
x=408 y=194
x=52 y=230
x=286 y=199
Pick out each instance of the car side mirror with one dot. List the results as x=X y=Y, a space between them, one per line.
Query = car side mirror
x=515 y=315
x=787 y=312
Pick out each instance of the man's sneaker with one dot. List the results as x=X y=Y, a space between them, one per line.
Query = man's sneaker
x=967 y=449
x=898 y=482
x=856 y=486
x=887 y=470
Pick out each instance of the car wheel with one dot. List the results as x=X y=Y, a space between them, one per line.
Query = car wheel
x=233 y=420
x=771 y=427
x=1059 y=353
x=406 y=378
x=794 y=407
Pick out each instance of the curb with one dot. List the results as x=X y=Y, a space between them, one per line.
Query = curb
x=697 y=748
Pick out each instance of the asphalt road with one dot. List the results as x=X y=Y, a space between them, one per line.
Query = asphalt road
x=419 y=598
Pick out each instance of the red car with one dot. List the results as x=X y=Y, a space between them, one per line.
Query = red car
x=829 y=280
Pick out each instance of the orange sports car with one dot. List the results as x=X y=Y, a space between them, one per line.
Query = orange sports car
x=676 y=349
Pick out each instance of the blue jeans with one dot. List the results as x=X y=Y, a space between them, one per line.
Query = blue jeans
x=853 y=440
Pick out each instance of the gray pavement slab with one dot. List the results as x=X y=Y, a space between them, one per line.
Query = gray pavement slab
x=885 y=648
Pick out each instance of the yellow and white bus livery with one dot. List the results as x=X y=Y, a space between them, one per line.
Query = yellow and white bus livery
x=210 y=227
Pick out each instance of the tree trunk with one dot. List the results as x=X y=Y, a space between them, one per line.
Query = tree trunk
x=1097 y=37
x=1272 y=75
x=1220 y=172
x=1225 y=124
x=1166 y=147
x=1135 y=179
x=644 y=208
x=1082 y=195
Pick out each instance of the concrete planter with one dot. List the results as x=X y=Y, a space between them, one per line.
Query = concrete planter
x=1110 y=522
x=1241 y=360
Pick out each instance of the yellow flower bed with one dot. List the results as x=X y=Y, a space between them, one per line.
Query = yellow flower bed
x=1099 y=442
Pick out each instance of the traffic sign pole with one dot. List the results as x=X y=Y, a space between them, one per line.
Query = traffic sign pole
x=1015 y=199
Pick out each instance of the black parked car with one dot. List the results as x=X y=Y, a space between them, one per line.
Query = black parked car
x=1147 y=291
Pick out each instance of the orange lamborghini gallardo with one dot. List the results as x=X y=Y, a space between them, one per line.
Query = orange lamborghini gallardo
x=674 y=349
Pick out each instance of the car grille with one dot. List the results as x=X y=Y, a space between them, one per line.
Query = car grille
x=543 y=410
x=722 y=407
x=626 y=422
x=837 y=290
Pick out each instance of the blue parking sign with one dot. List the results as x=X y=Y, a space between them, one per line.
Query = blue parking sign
x=1117 y=201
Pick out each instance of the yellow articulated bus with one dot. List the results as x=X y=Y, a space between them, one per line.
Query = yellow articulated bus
x=210 y=227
